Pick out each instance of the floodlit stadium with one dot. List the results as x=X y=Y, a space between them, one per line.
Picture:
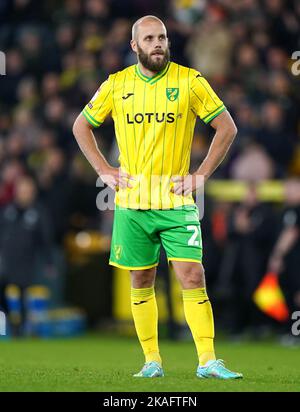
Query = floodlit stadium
x=149 y=196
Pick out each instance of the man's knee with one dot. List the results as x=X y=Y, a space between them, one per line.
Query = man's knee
x=143 y=278
x=191 y=275
x=194 y=278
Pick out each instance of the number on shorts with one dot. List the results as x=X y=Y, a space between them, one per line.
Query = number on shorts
x=193 y=239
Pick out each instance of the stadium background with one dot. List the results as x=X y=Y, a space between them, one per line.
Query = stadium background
x=57 y=54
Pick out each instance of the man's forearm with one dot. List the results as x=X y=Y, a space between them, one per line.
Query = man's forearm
x=284 y=244
x=217 y=152
x=286 y=241
x=88 y=145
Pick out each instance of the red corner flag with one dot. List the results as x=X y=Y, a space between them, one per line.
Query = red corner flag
x=270 y=299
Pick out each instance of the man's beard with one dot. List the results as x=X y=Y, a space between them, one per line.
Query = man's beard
x=150 y=64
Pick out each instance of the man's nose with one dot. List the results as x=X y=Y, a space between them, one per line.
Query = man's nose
x=157 y=44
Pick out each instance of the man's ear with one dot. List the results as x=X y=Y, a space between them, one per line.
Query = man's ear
x=133 y=45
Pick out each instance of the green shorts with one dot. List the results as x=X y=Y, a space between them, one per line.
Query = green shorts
x=138 y=235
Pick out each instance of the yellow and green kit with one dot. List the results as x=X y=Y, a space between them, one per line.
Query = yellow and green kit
x=138 y=235
x=154 y=121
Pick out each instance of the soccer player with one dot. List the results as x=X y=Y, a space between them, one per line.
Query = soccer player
x=154 y=105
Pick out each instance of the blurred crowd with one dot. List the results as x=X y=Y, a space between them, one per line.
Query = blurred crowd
x=57 y=54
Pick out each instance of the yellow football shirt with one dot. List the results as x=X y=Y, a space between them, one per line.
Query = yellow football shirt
x=154 y=121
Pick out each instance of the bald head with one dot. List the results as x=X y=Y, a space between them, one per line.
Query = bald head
x=150 y=43
x=145 y=22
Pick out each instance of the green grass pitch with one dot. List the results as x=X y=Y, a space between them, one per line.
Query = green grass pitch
x=99 y=364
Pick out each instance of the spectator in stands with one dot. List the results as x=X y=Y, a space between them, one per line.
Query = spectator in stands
x=25 y=238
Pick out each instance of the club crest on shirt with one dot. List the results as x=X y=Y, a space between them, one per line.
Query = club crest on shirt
x=118 y=251
x=172 y=93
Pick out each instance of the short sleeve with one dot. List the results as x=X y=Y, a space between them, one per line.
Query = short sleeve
x=291 y=217
x=100 y=105
x=204 y=101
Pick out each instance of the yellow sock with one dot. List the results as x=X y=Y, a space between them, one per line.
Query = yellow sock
x=199 y=316
x=145 y=316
